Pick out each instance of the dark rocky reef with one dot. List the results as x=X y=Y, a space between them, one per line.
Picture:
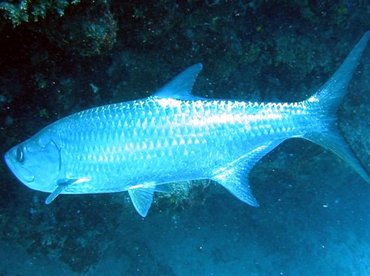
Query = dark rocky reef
x=21 y=12
x=83 y=28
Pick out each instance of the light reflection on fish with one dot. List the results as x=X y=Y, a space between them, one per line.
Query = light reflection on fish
x=143 y=145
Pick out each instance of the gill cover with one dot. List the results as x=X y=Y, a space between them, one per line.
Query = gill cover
x=36 y=162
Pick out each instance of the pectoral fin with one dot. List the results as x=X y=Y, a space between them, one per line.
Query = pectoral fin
x=54 y=194
x=61 y=186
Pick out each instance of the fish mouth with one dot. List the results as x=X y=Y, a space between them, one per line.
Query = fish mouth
x=23 y=174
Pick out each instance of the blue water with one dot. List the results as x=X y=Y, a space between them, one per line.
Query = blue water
x=314 y=214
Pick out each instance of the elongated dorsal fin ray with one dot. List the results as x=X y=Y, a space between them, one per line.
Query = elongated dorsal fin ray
x=234 y=176
x=180 y=87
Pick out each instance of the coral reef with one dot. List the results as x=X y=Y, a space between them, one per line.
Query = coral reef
x=25 y=11
x=90 y=31
x=86 y=29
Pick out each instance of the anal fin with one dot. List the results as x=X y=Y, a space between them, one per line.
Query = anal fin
x=234 y=176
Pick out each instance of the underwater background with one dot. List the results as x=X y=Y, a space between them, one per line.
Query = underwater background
x=58 y=57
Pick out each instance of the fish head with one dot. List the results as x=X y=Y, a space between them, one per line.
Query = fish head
x=36 y=162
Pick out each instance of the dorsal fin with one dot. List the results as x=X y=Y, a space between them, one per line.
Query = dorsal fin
x=180 y=87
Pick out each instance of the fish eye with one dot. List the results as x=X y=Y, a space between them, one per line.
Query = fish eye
x=19 y=155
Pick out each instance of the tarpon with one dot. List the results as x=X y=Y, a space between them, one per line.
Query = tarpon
x=143 y=145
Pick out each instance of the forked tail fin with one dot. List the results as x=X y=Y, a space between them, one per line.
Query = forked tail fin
x=324 y=103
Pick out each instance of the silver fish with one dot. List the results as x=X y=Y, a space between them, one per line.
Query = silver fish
x=142 y=145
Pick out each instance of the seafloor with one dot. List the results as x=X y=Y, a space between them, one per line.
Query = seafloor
x=59 y=57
